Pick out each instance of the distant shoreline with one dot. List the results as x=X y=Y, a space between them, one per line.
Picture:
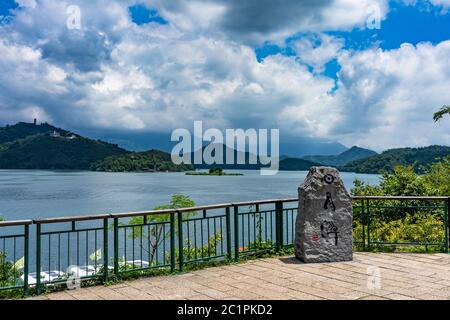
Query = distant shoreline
x=192 y=173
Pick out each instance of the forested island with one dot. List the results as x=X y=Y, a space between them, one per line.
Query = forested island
x=213 y=172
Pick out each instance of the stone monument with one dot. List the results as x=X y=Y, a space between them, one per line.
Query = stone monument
x=323 y=229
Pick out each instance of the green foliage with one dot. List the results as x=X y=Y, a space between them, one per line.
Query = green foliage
x=153 y=160
x=190 y=250
x=437 y=179
x=216 y=171
x=420 y=158
x=440 y=114
x=8 y=272
x=418 y=228
x=156 y=234
x=404 y=181
x=421 y=221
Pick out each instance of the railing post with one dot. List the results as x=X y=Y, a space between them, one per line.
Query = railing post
x=116 y=248
x=180 y=242
x=228 y=223
x=363 y=223
x=281 y=221
x=105 y=249
x=172 y=242
x=25 y=259
x=38 y=258
x=260 y=226
x=236 y=232
x=447 y=224
x=278 y=226
x=368 y=224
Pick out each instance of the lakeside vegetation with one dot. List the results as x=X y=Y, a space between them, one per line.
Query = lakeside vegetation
x=420 y=158
x=213 y=172
x=420 y=221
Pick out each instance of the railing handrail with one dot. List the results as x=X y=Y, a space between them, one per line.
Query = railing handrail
x=401 y=197
x=197 y=208
x=12 y=223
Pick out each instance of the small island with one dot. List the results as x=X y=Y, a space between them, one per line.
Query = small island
x=213 y=172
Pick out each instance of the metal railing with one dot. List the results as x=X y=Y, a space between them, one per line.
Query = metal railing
x=401 y=221
x=100 y=247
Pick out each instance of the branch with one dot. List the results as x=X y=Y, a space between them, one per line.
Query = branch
x=439 y=114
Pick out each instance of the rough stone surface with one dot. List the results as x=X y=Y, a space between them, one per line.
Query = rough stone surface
x=323 y=230
x=401 y=276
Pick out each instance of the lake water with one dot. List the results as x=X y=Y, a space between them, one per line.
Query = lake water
x=41 y=194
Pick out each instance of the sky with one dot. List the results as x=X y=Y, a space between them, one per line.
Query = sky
x=327 y=73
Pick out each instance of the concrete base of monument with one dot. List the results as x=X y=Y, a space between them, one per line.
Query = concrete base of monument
x=314 y=257
x=323 y=229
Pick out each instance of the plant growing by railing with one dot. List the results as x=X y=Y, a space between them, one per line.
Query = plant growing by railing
x=157 y=233
x=191 y=250
x=9 y=271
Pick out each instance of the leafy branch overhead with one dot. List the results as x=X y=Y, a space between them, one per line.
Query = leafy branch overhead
x=440 y=114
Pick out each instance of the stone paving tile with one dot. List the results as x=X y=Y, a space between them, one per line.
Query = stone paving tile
x=402 y=276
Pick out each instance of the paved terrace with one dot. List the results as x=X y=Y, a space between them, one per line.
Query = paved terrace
x=403 y=276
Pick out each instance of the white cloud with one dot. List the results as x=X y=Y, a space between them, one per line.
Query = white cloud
x=116 y=75
x=253 y=22
x=389 y=96
x=318 y=49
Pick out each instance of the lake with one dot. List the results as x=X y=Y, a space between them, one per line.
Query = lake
x=31 y=194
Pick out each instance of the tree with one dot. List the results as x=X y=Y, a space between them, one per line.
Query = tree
x=406 y=221
x=156 y=234
x=439 y=114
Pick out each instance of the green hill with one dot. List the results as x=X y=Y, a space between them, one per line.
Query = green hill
x=352 y=154
x=153 y=160
x=22 y=130
x=47 y=151
x=387 y=160
x=296 y=164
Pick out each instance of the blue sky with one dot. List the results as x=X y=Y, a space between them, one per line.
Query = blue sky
x=136 y=70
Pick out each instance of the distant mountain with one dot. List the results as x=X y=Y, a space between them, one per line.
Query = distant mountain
x=352 y=154
x=295 y=147
x=387 y=160
x=146 y=161
x=224 y=165
x=296 y=164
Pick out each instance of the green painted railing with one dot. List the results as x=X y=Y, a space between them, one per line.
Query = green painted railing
x=102 y=247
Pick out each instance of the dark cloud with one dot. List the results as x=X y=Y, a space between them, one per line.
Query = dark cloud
x=268 y=16
x=85 y=51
